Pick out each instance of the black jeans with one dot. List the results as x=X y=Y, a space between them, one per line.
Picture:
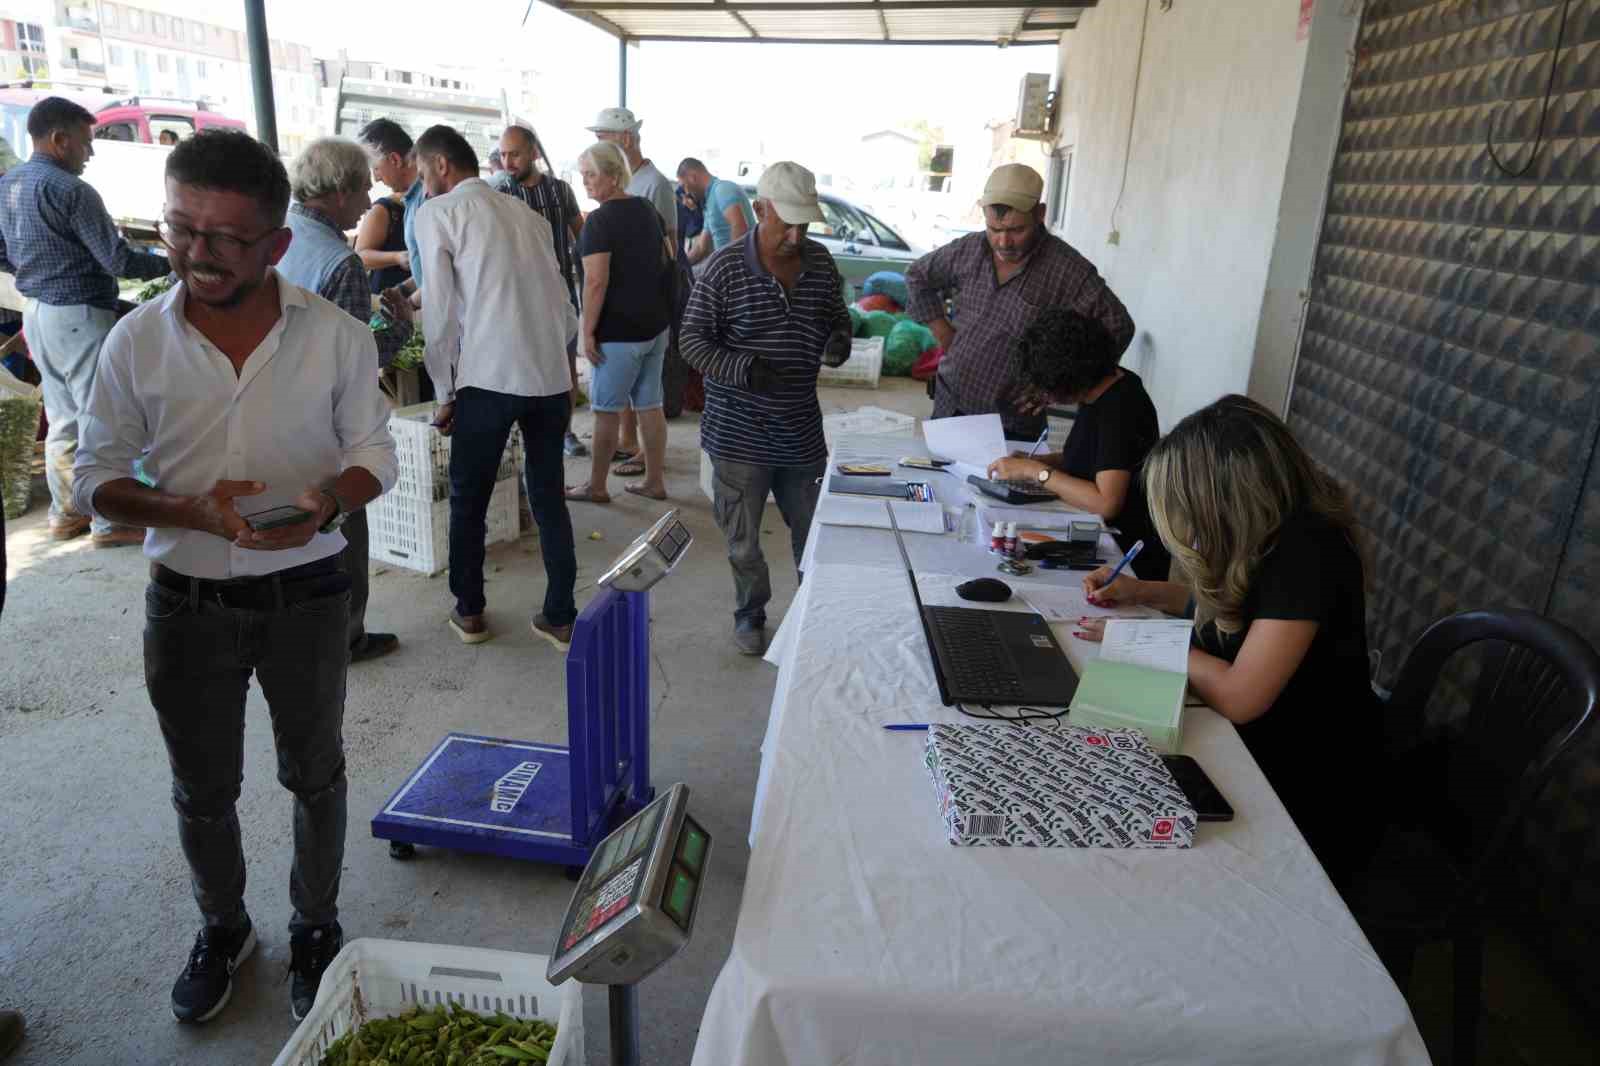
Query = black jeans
x=483 y=421
x=198 y=658
x=356 y=560
x=740 y=496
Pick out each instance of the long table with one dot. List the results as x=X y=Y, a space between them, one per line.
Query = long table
x=864 y=938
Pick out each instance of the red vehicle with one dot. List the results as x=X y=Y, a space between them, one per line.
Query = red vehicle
x=146 y=118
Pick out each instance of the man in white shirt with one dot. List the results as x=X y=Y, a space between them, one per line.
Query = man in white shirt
x=497 y=319
x=243 y=394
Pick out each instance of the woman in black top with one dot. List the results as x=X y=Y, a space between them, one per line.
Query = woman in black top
x=1268 y=552
x=381 y=243
x=1065 y=357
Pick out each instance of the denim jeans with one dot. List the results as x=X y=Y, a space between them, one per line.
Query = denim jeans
x=739 y=498
x=65 y=345
x=483 y=421
x=198 y=659
x=357 y=564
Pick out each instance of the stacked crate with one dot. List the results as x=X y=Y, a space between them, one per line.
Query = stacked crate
x=410 y=524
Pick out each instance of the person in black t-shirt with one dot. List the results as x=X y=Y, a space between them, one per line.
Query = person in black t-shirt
x=626 y=311
x=1066 y=357
x=1268 y=553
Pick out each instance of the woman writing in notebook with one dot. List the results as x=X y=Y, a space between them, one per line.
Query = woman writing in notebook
x=1268 y=553
x=1065 y=357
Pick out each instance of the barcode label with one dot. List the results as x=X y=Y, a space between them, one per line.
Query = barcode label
x=986 y=825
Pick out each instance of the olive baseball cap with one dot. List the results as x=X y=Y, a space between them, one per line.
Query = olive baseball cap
x=1016 y=185
x=792 y=190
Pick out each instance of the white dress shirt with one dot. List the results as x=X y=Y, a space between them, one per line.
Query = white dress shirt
x=305 y=408
x=495 y=312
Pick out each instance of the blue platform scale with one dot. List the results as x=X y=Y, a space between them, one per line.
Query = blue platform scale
x=554 y=803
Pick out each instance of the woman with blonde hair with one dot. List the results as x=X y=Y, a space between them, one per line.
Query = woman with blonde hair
x=1270 y=566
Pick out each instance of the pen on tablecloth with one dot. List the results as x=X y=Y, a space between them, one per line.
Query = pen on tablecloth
x=1138 y=546
x=1042 y=438
x=907 y=727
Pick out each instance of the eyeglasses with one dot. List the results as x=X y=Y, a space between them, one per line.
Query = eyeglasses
x=177 y=236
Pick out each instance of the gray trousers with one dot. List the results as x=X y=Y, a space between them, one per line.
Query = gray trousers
x=357 y=565
x=65 y=345
x=739 y=498
x=198 y=658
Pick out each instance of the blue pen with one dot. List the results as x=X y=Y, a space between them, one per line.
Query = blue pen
x=1138 y=546
x=1042 y=438
x=907 y=728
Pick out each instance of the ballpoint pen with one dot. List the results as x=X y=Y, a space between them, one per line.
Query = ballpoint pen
x=1138 y=546
x=1042 y=438
x=907 y=727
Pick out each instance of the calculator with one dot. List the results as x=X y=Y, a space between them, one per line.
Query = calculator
x=1011 y=491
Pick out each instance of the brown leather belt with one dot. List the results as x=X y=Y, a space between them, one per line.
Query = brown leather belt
x=269 y=592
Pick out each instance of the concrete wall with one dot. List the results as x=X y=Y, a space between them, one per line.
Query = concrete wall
x=1224 y=182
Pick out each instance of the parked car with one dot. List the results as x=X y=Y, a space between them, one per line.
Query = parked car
x=145 y=119
x=861 y=243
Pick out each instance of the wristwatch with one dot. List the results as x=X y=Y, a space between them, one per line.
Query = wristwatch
x=1044 y=475
x=339 y=513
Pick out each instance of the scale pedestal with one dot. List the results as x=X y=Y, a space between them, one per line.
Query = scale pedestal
x=549 y=802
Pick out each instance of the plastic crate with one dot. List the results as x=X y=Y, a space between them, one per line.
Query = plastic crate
x=423 y=454
x=861 y=370
x=381 y=978
x=415 y=534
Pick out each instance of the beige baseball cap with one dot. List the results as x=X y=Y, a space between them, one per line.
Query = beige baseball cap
x=1016 y=185
x=615 y=120
x=792 y=189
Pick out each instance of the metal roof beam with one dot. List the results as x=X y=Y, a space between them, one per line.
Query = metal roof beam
x=578 y=7
x=883 y=20
x=740 y=19
x=986 y=42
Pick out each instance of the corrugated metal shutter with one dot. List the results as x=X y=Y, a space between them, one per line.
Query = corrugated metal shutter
x=1450 y=367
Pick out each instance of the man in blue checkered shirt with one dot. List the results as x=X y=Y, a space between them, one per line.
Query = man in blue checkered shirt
x=58 y=239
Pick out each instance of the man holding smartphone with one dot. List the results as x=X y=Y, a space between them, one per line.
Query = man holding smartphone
x=243 y=394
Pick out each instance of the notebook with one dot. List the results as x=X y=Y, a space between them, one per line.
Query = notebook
x=1138 y=681
x=913 y=516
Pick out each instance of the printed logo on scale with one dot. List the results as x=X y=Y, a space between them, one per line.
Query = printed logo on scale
x=508 y=791
x=1163 y=829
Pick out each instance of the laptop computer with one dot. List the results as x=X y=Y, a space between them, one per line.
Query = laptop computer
x=989 y=658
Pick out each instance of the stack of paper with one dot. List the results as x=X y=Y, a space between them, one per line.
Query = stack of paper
x=911 y=516
x=1138 y=681
x=971 y=442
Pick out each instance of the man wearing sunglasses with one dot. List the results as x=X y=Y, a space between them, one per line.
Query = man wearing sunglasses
x=58 y=239
x=255 y=407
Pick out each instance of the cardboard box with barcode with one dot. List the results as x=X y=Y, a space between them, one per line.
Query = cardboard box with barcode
x=1005 y=786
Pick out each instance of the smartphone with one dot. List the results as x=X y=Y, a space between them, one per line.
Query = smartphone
x=1203 y=795
x=275 y=518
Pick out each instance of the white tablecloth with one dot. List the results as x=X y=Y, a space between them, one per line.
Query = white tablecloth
x=865 y=938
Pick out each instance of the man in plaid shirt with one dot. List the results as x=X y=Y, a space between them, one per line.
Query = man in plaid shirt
x=1003 y=277
x=58 y=239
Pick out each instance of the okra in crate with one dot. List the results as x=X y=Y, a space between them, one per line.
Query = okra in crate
x=445 y=1004
x=423 y=454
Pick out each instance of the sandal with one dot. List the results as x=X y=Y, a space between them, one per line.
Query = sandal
x=584 y=494
x=633 y=466
x=638 y=490
x=620 y=455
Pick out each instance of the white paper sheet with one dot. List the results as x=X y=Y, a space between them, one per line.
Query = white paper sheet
x=974 y=441
x=911 y=515
x=1161 y=643
x=1058 y=603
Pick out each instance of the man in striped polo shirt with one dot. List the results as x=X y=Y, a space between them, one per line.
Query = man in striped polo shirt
x=763 y=318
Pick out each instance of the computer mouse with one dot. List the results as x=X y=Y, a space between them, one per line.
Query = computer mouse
x=985 y=590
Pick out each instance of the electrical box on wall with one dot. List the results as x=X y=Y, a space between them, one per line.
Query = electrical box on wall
x=1033 y=107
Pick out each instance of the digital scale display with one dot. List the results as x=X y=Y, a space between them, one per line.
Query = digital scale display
x=650 y=557
x=635 y=904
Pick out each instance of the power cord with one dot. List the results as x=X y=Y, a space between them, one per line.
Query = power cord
x=1544 y=107
x=1023 y=716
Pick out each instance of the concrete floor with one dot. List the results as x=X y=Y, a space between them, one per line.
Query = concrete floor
x=96 y=918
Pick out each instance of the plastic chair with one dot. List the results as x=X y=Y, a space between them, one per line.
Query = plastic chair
x=1462 y=795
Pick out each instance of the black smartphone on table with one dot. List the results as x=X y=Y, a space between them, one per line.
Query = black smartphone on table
x=1204 y=796
x=275 y=518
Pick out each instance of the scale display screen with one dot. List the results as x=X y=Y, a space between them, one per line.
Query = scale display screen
x=634 y=906
x=650 y=557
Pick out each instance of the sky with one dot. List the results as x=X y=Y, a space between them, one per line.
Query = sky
x=783 y=100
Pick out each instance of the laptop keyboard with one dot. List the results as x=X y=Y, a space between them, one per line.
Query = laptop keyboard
x=976 y=666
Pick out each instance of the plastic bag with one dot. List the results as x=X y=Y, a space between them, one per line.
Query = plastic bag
x=927 y=364
x=877 y=323
x=878 y=302
x=858 y=321
x=887 y=283
x=905 y=343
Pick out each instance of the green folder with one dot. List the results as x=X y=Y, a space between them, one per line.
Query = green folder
x=1114 y=695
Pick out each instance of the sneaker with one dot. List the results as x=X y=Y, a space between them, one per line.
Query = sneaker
x=120 y=537
x=372 y=645
x=202 y=990
x=12 y=1030
x=749 y=637
x=310 y=951
x=560 y=636
x=574 y=447
x=67 y=528
x=471 y=630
